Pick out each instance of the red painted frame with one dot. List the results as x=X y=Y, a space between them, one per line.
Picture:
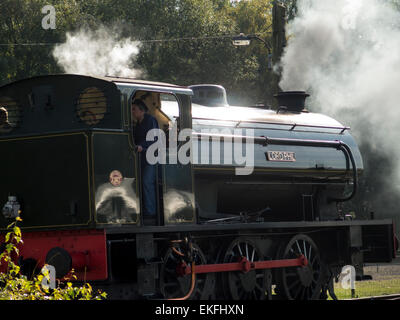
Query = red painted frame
x=87 y=249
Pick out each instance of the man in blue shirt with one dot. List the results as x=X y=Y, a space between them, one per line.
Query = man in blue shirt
x=145 y=122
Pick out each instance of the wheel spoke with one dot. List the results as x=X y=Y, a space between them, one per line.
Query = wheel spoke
x=240 y=250
x=300 y=283
x=259 y=287
x=297 y=292
x=243 y=286
x=291 y=274
x=298 y=246
x=173 y=286
x=313 y=259
x=293 y=284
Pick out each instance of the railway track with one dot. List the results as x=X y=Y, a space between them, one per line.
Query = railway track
x=384 y=297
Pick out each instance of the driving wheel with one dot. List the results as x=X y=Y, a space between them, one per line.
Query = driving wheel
x=173 y=285
x=239 y=285
x=300 y=283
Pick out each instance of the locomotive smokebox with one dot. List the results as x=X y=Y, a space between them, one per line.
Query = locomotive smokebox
x=293 y=101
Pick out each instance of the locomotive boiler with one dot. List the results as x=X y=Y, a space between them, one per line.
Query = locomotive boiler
x=248 y=199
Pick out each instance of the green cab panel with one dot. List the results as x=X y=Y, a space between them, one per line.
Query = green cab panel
x=115 y=182
x=50 y=177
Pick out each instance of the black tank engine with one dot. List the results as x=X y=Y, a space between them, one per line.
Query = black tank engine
x=248 y=199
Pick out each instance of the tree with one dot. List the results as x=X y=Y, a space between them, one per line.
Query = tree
x=25 y=46
x=194 y=39
x=255 y=17
x=291 y=8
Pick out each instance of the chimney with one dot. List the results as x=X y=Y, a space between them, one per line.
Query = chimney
x=292 y=101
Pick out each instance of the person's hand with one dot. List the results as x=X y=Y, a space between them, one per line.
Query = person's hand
x=139 y=148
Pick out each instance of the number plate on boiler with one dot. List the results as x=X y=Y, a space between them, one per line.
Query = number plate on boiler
x=280 y=156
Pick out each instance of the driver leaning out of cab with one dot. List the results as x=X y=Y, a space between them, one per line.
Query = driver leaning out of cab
x=144 y=123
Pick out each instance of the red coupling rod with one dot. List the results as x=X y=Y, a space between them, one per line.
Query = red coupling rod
x=243 y=265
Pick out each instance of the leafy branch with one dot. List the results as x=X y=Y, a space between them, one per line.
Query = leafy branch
x=16 y=286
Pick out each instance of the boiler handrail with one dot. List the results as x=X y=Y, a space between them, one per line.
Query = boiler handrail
x=335 y=144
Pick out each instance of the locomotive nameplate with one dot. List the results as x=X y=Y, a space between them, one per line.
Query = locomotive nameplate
x=280 y=156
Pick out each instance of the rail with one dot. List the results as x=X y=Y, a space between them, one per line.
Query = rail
x=383 y=297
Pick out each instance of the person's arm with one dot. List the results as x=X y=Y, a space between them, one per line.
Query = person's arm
x=151 y=124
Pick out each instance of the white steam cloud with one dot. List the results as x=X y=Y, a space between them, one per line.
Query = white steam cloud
x=98 y=53
x=346 y=53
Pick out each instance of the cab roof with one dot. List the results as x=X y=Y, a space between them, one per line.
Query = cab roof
x=112 y=79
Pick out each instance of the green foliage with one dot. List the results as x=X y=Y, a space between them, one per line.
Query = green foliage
x=195 y=48
x=204 y=53
x=15 y=286
x=291 y=8
x=25 y=46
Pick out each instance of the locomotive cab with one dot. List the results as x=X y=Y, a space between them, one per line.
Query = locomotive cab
x=69 y=156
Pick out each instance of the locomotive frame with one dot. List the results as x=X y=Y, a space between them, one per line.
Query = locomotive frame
x=222 y=240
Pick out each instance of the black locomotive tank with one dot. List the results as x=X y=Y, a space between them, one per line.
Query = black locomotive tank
x=249 y=190
x=293 y=163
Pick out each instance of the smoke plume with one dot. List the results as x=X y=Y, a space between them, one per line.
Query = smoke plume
x=346 y=53
x=98 y=53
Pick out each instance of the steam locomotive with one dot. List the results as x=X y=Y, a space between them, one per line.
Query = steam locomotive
x=248 y=199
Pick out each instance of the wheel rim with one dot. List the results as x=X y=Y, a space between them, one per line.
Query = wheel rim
x=238 y=285
x=300 y=283
x=174 y=286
